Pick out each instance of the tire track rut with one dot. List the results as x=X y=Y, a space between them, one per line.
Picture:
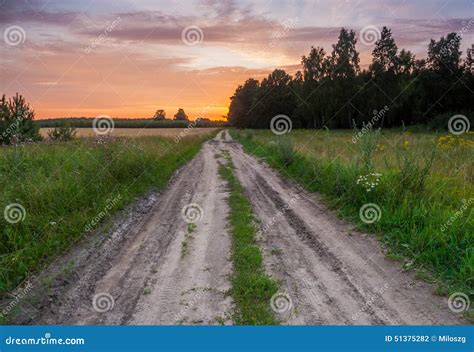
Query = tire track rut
x=332 y=273
x=140 y=263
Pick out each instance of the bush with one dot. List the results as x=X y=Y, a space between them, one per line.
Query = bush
x=285 y=151
x=63 y=133
x=16 y=121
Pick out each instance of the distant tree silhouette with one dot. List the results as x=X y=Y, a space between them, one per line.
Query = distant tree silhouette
x=469 y=62
x=384 y=55
x=310 y=107
x=345 y=58
x=181 y=115
x=444 y=55
x=160 y=115
x=240 y=112
x=274 y=97
x=332 y=91
x=405 y=63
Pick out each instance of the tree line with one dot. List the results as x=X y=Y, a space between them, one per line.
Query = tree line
x=332 y=91
x=160 y=115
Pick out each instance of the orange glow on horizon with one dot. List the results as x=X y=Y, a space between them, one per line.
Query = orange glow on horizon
x=214 y=114
x=83 y=59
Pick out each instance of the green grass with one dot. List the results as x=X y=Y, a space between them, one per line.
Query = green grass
x=187 y=238
x=251 y=289
x=69 y=188
x=423 y=184
x=184 y=248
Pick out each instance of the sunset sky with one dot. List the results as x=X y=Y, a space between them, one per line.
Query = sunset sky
x=129 y=58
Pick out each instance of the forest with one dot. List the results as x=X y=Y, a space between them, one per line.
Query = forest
x=332 y=91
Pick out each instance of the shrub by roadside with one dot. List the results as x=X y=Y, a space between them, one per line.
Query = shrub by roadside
x=63 y=133
x=16 y=121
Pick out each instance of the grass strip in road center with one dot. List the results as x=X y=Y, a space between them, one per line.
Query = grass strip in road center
x=251 y=289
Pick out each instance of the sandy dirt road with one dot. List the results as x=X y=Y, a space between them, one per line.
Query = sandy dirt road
x=331 y=273
x=157 y=265
x=154 y=268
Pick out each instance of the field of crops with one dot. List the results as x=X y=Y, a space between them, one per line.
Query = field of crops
x=128 y=123
x=141 y=132
x=419 y=185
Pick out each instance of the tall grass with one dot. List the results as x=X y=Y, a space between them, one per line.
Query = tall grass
x=67 y=188
x=419 y=191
